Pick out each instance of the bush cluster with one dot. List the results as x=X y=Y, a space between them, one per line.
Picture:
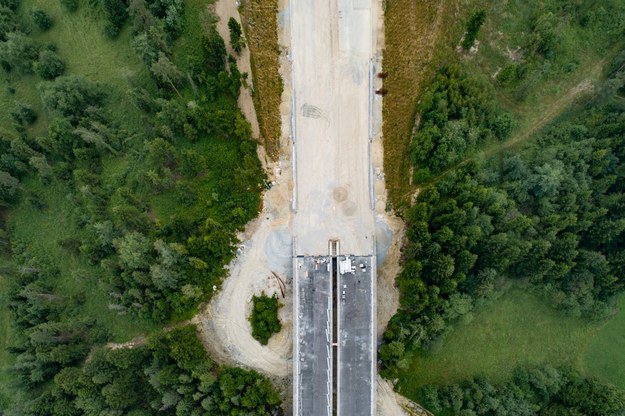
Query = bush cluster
x=264 y=317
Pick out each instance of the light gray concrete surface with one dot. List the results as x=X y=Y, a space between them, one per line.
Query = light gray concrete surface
x=331 y=44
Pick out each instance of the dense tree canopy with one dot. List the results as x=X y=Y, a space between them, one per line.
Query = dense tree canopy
x=534 y=391
x=456 y=118
x=169 y=375
x=152 y=198
x=552 y=214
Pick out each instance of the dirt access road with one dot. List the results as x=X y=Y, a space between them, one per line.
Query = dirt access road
x=265 y=249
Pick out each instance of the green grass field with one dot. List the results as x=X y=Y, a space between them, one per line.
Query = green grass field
x=80 y=41
x=605 y=356
x=515 y=330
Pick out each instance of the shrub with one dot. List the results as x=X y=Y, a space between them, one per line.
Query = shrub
x=70 y=5
x=50 y=65
x=25 y=114
x=115 y=11
x=236 y=35
x=264 y=318
x=8 y=22
x=215 y=49
x=41 y=19
x=116 y=14
x=18 y=53
x=9 y=188
x=71 y=96
x=11 y=4
x=473 y=27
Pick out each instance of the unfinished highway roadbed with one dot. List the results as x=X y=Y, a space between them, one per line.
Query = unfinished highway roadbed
x=331 y=43
x=333 y=227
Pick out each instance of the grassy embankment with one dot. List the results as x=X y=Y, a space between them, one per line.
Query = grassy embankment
x=261 y=31
x=413 y=31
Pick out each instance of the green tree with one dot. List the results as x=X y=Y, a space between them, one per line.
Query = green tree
x=161 y=153
x=9 y=188
x=166 y=72
x=43 y=168
x=473 y=27
x=41 y=19
x=236 y=35
x=8 y=22
x=71 y=96
x=215 y=49
x=192 y=163
x=238 y=391
x=264 y=317
x=25 y=114
x=134 y=250
x=50 y=65
x=116 y=14
x=70 y=5
x=18 y=53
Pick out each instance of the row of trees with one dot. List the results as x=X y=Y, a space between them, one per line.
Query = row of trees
x=532 y=391
x=552 y=214
x=169 y=374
